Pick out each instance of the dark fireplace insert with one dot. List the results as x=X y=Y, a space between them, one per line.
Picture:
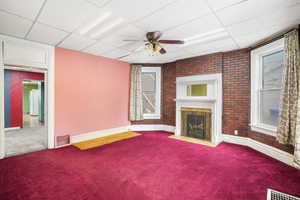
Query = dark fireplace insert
x=196 y=123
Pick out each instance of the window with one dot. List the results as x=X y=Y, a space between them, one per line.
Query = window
x=266 y=82
x=197 y=90
x=151 y=82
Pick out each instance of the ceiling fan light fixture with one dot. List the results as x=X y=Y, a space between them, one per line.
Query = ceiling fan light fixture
x=156 y=47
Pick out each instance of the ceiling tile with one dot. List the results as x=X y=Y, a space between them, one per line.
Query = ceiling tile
x=99 y=3
x=45 y=34
x=99 y=48
x=245 y=28
x=115 y=53
x=283 y=17
x=128 y=32
x=67 y=15
x=136 y=9
x=14 y=25
x=177 y=13
x=212 y=47
x=250 y=9
x=252 y=31
x=253 y=37
x=217 y=4
x=133 y=46
x=199 y=26
x=76 y=42
x=28 y=8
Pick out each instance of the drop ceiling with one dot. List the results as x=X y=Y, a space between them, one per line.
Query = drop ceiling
x=99 y=27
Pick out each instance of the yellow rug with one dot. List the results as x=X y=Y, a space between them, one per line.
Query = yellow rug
x=104 y=140
x=193 y=140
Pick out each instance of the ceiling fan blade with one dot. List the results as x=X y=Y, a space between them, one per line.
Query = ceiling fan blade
x=133 y=40
x=171 y=41
x=162 y=51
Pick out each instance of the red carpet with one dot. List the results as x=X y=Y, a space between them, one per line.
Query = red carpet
x=146 y=167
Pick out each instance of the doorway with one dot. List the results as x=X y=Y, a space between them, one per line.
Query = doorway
x=33 y=103
x=24 y=102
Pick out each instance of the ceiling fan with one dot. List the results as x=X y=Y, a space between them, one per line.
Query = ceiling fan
x=153 y=43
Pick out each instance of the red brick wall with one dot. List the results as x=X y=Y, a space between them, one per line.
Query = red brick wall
x=235 y=66
x=236 y=92
x=207 y=64
x=169 y=93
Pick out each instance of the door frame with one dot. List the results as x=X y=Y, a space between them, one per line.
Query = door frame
x=49 y=71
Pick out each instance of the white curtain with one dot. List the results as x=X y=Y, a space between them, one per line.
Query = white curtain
x=136 y=98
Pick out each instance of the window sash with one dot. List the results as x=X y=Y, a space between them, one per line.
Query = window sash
x=157 y=92
x=256 y=86
x=260 y=104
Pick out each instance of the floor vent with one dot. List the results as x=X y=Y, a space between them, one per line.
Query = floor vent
x=62 y=140
x=275 y=195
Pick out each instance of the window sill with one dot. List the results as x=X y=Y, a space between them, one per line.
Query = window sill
x=264 y=129
x=151 y=116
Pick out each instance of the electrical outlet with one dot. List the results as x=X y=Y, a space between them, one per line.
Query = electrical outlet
x=236 y=132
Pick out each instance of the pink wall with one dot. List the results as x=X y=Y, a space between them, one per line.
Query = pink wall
x=91 y=93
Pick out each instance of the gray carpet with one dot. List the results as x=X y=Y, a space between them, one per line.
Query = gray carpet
x=25 y=140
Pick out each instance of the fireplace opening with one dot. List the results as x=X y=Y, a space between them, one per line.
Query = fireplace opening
x=196 y=123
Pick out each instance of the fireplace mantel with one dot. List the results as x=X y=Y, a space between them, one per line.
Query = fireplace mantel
x=212 y=101
x=195 y=99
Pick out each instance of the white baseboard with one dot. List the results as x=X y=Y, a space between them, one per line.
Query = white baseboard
x=12 y=128
x=107 y=132
x=263 y=148
x=97 y=134
x=152 y=127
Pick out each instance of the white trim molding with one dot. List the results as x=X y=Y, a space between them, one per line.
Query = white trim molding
x=263 y=148
x=97 y=134
x=256 y=85
x=112 y=131
x=12 y=128
x=152 y=127
x=28 y=56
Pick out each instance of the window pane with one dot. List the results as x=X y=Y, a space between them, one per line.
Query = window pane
x=197 y=90
x=148 y=81
x=149 y=92
x=269 y=107
x=149 y=102
x=272 y=70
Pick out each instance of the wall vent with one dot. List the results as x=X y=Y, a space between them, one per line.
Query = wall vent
x=62 y=140
x=275 y=195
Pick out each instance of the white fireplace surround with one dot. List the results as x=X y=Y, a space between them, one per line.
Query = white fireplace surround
x=212 y=101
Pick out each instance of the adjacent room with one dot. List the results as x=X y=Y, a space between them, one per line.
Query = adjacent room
x=24 y=111
x=150 y=100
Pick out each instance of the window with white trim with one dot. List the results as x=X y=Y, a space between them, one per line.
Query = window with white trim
x=267 y=65
x=151 y=84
